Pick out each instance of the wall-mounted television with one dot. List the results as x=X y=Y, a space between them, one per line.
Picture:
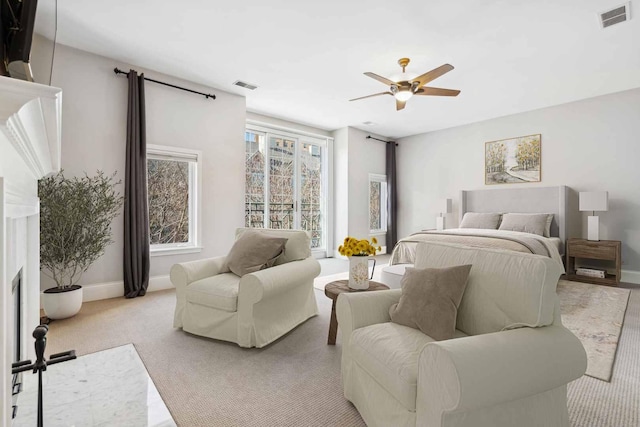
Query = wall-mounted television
x=17 y=22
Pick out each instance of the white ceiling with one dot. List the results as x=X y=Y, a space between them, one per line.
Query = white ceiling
x=308 y=57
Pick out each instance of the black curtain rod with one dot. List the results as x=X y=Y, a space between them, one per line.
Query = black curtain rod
x=206 y=95
x=382 y=140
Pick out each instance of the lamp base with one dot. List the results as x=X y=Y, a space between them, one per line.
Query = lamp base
x=593 y=228
x=440 y=223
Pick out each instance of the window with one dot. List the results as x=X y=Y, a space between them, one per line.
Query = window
x=377 y=204
x=286 y=182
x=173 y=193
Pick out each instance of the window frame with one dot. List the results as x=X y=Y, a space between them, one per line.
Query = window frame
x=194 y=245
x=299 y=137
x=382 y=179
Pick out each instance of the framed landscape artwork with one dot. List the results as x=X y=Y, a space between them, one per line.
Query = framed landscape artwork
x=513 y=160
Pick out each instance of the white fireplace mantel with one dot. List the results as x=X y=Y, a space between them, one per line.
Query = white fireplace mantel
x=30 y=146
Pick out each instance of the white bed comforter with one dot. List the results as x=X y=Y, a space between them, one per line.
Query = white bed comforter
x=404 y=251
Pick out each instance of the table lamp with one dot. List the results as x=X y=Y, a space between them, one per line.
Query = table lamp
x=445 y=208
x=594 y=201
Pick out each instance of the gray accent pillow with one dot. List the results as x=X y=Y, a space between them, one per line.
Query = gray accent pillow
x=254 y=251
x=298 y=245
x=526 y=223
x=480 y=220
x=430 y=300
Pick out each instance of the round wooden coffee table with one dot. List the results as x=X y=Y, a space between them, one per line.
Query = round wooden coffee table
x=333 y=289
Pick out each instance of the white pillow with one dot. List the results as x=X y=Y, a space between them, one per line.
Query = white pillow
x=480 y=220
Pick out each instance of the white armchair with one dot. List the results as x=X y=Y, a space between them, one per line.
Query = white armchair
x=508 y=365
x=255 y=309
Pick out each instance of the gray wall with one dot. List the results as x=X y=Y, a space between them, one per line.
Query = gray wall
x=93 y=137
x=588 y=145
x=355 y=157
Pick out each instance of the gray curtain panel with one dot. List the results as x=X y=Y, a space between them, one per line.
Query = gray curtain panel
x=136 y=215
x=392 y=197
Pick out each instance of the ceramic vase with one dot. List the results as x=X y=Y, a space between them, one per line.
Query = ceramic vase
x=359 y=272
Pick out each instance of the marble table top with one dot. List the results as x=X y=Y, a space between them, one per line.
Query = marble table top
x=107 y=388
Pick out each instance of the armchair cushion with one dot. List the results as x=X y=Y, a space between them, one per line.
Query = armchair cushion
x=505 y=290
x=220 y=291
x=430 y=300
x=254 y=251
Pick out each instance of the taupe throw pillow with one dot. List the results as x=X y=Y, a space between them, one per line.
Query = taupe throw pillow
x=480 y=220
x=526 y=223
x=254 y=251
x=430 y=300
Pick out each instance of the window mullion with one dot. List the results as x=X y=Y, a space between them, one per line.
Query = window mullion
x=267 y=180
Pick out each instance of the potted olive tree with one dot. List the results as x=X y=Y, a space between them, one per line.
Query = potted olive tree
x=75 y=229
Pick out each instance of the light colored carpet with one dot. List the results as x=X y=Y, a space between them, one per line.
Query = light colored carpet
x=293 y=382
x=594 y=314
x=296 y=380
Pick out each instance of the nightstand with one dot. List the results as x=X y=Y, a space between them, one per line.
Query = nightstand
x=607 y=250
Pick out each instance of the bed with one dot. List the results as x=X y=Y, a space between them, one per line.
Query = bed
x=559 y=201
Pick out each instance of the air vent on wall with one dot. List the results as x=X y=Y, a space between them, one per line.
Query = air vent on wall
x=616 y=15
x=245 y=85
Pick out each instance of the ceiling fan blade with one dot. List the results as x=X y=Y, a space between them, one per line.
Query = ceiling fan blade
x=432 y=75
x=436 y=91
x=380 y=78
x=371 y=96
x=400 y=104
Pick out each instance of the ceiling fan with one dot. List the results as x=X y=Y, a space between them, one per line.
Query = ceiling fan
x=405 y=89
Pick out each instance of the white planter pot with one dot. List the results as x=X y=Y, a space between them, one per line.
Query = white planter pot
x=359 y=272
x=60 y=305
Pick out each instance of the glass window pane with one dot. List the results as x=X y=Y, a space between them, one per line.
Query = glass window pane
x=281 y=183
x=310 y=192
x=254 y=180
x=375 y=204
x=168 y=193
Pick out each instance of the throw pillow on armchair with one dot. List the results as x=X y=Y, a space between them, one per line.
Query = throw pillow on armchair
x=430 y=300
x=254 y=251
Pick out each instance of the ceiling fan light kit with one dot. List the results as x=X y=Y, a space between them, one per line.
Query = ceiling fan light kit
x=403 y=90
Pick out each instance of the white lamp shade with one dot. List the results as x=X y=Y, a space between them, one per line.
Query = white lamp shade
x=444 y=205
x=594 y=201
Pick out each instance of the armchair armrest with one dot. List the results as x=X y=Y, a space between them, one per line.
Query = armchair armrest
x=357 y=310
x=186 y=273
x=485 y=370
x=266 y=283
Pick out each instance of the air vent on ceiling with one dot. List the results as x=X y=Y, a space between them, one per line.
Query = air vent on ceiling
x=616 y=15
x=245 y=85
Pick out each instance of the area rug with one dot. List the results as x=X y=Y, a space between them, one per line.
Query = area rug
x=595 y=315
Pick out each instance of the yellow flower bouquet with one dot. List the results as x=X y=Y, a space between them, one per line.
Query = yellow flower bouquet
x=354 y=247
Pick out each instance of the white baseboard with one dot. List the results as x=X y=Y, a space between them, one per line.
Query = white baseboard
x=98 y=291
x=630 y=276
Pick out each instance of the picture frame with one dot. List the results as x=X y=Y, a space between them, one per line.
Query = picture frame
x=515 y=160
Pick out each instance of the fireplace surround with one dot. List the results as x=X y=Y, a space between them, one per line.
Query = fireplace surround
x=16 y=380
x=30 y=135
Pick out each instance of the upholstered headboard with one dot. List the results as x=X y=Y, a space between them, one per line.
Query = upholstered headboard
x=559 y=201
